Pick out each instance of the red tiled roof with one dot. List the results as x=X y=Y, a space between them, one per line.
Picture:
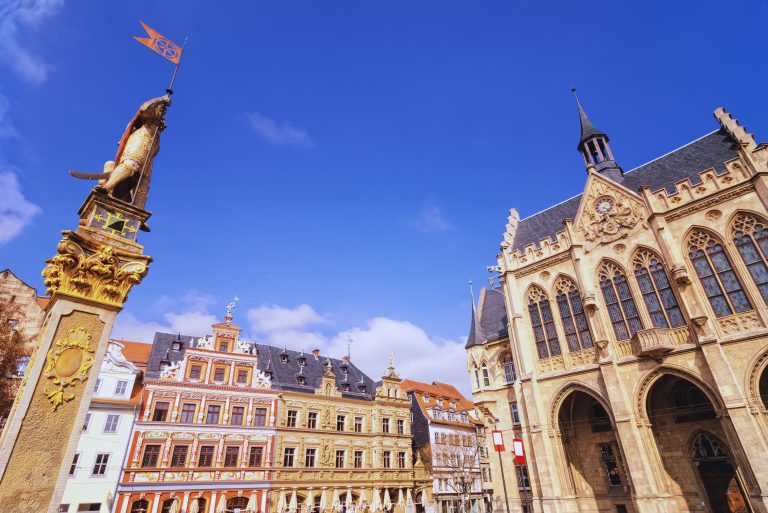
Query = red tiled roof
x=137 y=353
x=438 y=390
x=43 y=301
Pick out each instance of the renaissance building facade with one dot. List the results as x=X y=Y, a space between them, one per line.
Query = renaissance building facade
x=626 y=342
x=205 y=436
x=344 y=441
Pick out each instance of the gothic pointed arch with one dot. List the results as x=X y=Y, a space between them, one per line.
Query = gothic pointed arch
x=749 y=232
x=656 y=288
x=756 y=383
x=714 y=268
x=646 y=382
x=619 y=300
x=573 y=318
x=542 y=322
x=559 y=397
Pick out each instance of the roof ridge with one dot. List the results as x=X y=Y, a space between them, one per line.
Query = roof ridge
x=673 y=151
x=627 y=172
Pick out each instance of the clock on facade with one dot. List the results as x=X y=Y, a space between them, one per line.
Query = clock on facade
x=604 y=205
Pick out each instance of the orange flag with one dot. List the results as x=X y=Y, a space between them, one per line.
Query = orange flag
x=160 y=44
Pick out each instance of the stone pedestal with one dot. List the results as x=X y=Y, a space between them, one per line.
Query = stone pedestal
x=88 y=279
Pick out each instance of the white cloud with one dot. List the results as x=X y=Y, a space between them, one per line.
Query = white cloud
x=16 y=212
x=278 y=132
x=431 y=220
x=13 y=14
x=190 y=316
x=418 y=355
x=7 y=128
x=273 y=318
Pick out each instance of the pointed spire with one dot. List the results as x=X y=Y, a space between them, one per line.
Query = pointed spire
x=594 y=147
x=588 y=130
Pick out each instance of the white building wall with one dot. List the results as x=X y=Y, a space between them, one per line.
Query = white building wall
x=84 y=487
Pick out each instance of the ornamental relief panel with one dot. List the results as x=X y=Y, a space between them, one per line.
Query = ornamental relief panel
x=608 y=213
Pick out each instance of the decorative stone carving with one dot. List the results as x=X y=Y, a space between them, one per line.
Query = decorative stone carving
x=173 y=371
x=205 y=343
x=67 y=362
x=99 y=276
x=739 y=322
x=608 y=213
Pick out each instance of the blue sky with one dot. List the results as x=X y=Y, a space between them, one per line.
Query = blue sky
x=346 y=167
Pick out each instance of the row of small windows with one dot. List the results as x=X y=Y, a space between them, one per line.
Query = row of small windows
x=213 y=413
x=100 y=465
x=507 y=365
x=205 y=458
x=310 y=458
x=710 y=261
x=292 y=421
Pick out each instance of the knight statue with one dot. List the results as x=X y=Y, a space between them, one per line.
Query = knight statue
x=127 y=177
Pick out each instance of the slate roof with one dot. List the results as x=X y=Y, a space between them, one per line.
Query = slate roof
x=710 y=151
x=284 y=375
x=492 y=321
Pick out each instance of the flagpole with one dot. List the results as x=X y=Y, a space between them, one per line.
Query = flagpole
x=176 y=69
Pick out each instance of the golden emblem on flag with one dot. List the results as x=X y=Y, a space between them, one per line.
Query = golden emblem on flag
x=160 y=44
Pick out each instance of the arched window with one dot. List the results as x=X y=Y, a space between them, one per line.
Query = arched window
x=619 y=302
x=508 y=364
x=237 y=504
x=140 y=506
x=707 y=447
x=542 y=323
x=486 y=376
x=167 y=505
x=751 y=238
x=477 y=377
x=572 y=315
x=714 y=269
x=200 y=504
x=657 y=291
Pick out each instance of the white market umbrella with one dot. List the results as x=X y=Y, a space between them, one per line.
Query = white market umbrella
x=292 y=504
x=174 y=507
x=195 y=508
x=222 y=507
x=309 y=502
x=362 y=500
x=408 y=497
x=281 y=502
x=251 y=506
x=336 y=502
x=387 y=499
x=400 y=499
x=323 y=501
x=348 y=502
x=376 y=500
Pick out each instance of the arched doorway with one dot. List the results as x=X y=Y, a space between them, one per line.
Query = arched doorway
x=593 y=455
x=763 y=387
x=691 y=444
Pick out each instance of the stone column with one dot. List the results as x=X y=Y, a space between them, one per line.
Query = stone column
x=88 y=279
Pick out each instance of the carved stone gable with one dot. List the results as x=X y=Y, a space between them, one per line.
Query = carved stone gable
x=607 y=212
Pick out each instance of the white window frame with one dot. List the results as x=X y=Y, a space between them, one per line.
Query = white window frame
x=117 y=424
x=87 y=422
x=117 y=386
x=75 y=463
x=106 y=464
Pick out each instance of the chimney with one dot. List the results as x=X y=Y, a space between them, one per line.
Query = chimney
x=346 y=358
x=316 y=354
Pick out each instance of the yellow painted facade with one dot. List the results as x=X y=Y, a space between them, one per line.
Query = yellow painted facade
x=329 y=446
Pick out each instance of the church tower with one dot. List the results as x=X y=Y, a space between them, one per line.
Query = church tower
x=594 y=147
